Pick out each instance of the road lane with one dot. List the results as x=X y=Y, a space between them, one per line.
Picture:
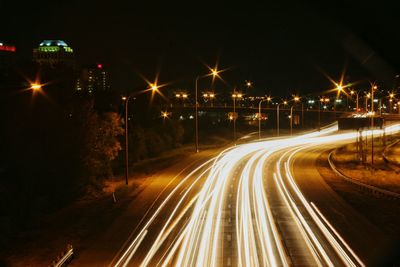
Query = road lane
x=348 y=222
x=123 y=230
x=244 y=208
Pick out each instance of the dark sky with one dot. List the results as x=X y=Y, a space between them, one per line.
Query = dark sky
x=281 y=46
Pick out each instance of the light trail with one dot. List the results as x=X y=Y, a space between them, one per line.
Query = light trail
x=192 y=230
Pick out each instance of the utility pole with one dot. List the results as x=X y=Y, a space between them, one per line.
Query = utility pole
x=373 y=87
x=291 y=120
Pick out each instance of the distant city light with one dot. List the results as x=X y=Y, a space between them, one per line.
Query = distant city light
x=99 y=66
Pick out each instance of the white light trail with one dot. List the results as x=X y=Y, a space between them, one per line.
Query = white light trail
x=192 y=234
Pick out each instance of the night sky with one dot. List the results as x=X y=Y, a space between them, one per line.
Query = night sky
x=284 y=47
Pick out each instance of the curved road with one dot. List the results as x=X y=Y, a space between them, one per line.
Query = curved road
x=255 y=204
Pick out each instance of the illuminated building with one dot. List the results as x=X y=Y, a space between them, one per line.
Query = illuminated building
x=7 y=48
x=53 y=53
x=7 y=65
x=93 y=78
x=7 y=54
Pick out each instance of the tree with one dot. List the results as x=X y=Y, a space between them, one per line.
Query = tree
x=101 y=144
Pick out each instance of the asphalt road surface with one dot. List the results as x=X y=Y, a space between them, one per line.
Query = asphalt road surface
x=255 y=204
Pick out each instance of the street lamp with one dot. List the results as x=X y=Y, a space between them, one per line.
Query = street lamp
x=209 y=96
x=154 y=88
x=214 y=73
x=391 y=96
x=182 y=96
x=295 y=99
x=277 y=116
x=249 y=84
x=259 y=115
x=368 y=95
x=373 y=88
x=234 y=97
x=352 y=92
x=36 y=86
x=324 y=100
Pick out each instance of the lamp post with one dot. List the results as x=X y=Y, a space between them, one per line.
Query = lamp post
x=182 y=96
x=234 y=97
x=373 y=88
x=391 y=95
x=154 y=88
x=324 y=100
x=319 y=113
x=209 y=96
x=277 y=116
x=291 y=120
x=295 y=99
x=398 y=107
x=214 y=73
x=259 y=115
x=352 y=92
x=368 y=95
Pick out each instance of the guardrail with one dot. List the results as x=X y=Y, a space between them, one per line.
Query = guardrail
x=366 y=187
x=385 y=152
x=65 y=258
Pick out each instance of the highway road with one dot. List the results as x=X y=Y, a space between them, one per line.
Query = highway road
x=256 y=204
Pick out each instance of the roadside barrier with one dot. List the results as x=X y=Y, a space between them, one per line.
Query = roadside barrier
x=384 y=153
x=376 y=191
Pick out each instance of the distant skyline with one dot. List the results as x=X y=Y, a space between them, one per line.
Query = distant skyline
x=282 y=47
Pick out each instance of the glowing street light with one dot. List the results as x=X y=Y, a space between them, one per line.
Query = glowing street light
x=164 y=114
x=352 y=92
x=209 y=96
x=234 y=97
x=36 y=86
x=154 y=88
x=268 y=99
x=214 y=72
x=295 y=99
x=249 y=84
x=373 y=88
x=391 y=96
x=367 y=96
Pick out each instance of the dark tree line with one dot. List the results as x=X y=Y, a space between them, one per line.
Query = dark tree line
x=53 y=146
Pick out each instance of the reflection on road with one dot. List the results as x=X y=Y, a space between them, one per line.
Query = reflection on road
x=243 y=208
